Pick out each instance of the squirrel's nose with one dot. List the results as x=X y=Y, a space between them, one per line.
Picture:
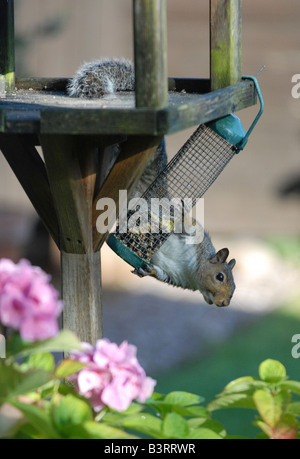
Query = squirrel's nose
x=224 y=303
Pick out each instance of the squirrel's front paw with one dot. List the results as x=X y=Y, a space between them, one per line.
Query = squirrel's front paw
x=146 y=270
x=153 y=271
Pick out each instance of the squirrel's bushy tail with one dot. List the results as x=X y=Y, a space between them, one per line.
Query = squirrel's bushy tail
x=100 y=77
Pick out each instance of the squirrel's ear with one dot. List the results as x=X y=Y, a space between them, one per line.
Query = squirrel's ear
x=220 y=256
x=231 y=263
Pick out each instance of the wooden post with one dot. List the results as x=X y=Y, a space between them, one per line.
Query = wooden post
x=150 y=53
x=71 y=163
x=225 y=43
x=81 y=290
x=7 y=49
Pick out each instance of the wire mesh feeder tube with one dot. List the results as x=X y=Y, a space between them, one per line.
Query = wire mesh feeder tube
x=184 y=180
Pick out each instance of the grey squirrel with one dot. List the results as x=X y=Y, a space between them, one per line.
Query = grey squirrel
x=190 y=266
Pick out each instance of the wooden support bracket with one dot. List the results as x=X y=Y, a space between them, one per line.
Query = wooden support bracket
x=69 y=170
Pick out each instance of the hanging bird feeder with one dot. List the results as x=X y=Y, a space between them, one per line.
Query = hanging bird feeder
x=189 y=174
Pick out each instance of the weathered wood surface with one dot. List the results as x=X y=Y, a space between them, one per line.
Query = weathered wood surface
x=42 y=84
x=208 y=107
x=225 y=43
x=150 y=53
x=198 y=85
x=81 y=289
x=7 y=49
x=48 y=113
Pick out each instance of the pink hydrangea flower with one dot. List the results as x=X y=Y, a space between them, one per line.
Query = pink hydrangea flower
x=6 y=268
x=112 y=376
x=28 y=302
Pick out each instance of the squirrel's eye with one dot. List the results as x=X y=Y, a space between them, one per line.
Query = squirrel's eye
x=220 y=277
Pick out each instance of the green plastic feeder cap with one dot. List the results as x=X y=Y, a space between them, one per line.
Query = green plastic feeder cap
x=229 y=128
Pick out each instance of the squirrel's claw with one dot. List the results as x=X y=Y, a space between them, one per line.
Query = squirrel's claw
x=146 y=270
x=139 y=272
x=153 y=271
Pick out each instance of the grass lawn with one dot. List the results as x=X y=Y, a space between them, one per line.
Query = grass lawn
x=240 y=356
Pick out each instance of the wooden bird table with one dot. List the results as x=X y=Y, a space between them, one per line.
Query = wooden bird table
x=78 y=166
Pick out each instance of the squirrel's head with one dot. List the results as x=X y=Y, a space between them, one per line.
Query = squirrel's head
x=217 y=284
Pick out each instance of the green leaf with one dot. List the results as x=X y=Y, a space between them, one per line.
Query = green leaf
x=243 y=384
x=235 y=437
x=272 y=371
x=42 y=360
x=215 y=426
x=294 y=408
x=65 y=341
x=163 y=409
x=237 y=383
x=192 y=411
x=180 y=398
x=69 y=411
x=175 y=426
x=93 y=430
x=264 y=427
x=133 y=408
x=145 y=423
x=14 y=382
x=115 y=418
x=286 y=429
x=293 y=386
x=271 y=407
x=68 y=368
x=211 y=424
x=157 y=396
x=183 y=403
x=239 y=400
x=38 y=418
x=203 y=434
x=28 y=432
x=193 y=423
